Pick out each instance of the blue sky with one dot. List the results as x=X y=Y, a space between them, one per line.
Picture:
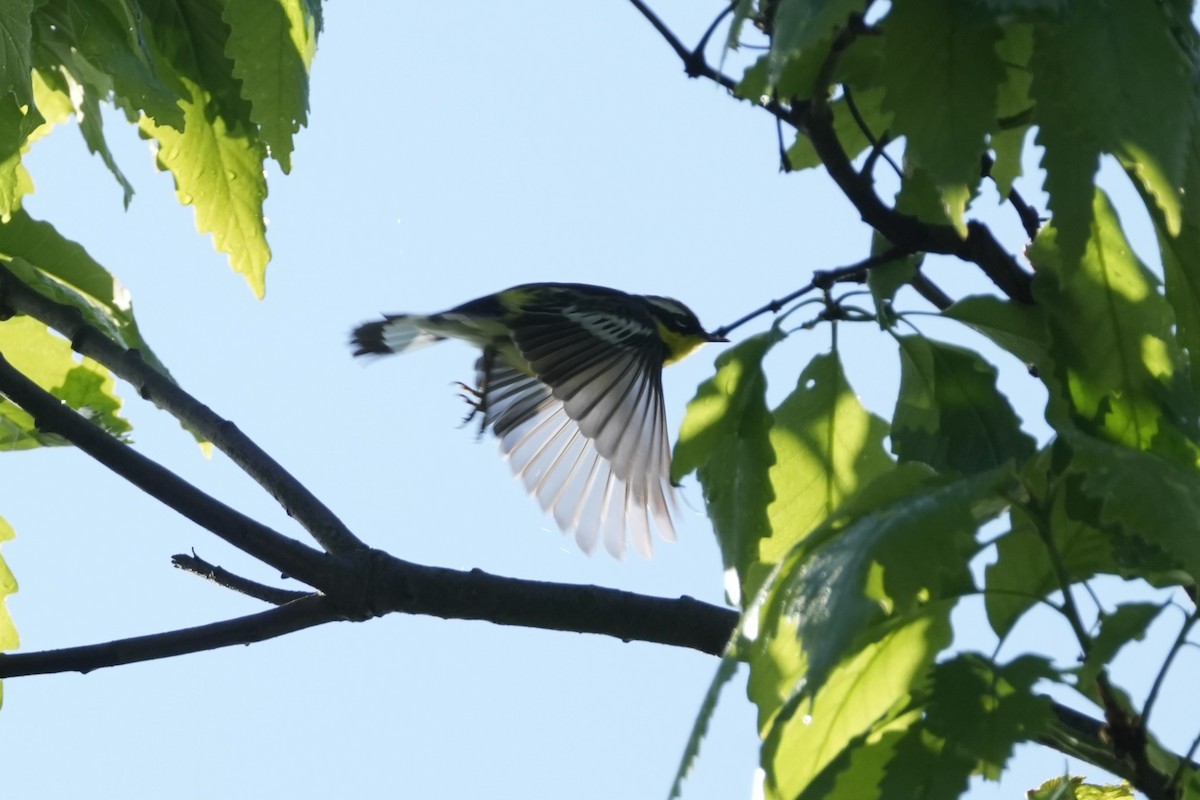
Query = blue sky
x=453 y=151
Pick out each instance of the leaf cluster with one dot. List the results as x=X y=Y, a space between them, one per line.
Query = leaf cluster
x=850 y=535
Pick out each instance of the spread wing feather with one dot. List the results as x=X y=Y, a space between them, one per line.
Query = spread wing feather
x=586 y=433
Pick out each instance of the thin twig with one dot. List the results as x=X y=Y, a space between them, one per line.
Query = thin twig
x=821 y=279
x=877 y=143
x=223 y=577
x=301 y=614
x=300 y=503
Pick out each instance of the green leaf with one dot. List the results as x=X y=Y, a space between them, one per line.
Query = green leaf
x=105 y=47
x=15 y=182
x=1128 y=623
x=724 y=439
x=1147 y=496
x=725 y=672
x=91 y=125
x=272 y=43
x=217 y=158
x=801 y=26
x=902 y=543
x=943 y=74
x=827 y=446
x=1019 y=328
x=63 y=271
x=16 y=44
x=949 y=413
x=975 y=711
x=218 y=169
x=1116 y=359
x=887 y=279
x=1073 y=788
x=860 y=695
x=986 y=708
x=8 y=585
x=869 y=103
x=1023 y=572
x=1110 y=83
x=49 y=361
x=859 y=768
x=1012 y=102
x=1181 y=263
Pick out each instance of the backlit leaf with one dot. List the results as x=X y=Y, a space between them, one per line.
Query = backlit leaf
x=949 y=413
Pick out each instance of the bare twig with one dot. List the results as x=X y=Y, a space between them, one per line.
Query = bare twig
x=223 y=577
x=304 y=613
x=297 y=500
x=821 y=279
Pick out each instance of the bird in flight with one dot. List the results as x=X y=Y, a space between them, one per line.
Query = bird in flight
x=570 y=381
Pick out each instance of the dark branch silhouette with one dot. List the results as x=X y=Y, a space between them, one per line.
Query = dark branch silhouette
x=296 y=499
x=223 y=577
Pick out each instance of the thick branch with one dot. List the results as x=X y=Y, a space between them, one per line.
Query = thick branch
x=979 y=247
x=296 y=499
x=52 y=415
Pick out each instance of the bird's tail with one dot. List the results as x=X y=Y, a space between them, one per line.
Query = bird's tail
x=395 y=333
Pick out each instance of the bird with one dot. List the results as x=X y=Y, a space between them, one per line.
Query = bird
x=570 y=381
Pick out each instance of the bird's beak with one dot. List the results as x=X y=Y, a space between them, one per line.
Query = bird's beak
x=714 y=337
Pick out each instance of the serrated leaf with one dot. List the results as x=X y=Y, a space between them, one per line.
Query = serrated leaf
x=901 y=543
x=975 y=712
x=1180 y=255
x=217 y=157
x=1019 y=328
x=1110 y=83
x=1024 y=572
x=943 y=73
x=691 y=751
x=272 y=43
x=104 y=45
x=218 y=170
x=926 y=766
x=1116 y=359
x=16 y=43
x=826 y=446
x=854 y=141
x=949 y=413
x=804 y=25
x=49 y=361
x=1149 y=497
x=810 y=732
x=91 y=125
x=1126 y=624
x=1012 y=102
x=724 y=439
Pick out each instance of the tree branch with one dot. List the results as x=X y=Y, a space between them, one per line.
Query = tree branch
x=295 y=616
x=313 y=515
x=52 y=415
x=223 y=577
x=822 y=279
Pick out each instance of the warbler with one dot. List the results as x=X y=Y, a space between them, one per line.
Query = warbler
x=570 y=382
